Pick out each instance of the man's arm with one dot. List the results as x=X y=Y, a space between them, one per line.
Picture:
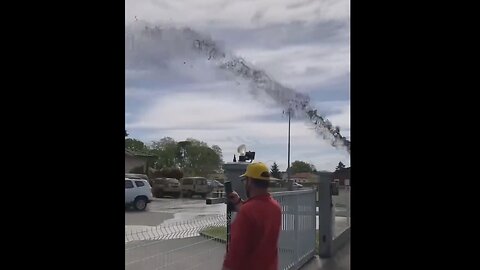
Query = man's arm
x=238 y=205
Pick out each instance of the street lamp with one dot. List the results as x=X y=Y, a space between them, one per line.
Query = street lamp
x=243 y=155
x=289 y=182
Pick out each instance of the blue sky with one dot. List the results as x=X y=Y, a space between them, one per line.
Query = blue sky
x=304 y=45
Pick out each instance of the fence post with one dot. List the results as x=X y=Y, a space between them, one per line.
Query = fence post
x=325 y=218
x=347 y=189
x=229 y=222
x=296 y=227
x=232 y=171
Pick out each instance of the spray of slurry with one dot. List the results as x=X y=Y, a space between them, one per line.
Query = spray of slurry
x=147 y=45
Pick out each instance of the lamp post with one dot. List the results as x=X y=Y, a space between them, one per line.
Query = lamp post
x=289 y=181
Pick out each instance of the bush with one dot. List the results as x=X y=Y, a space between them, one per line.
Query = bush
x=168 y=173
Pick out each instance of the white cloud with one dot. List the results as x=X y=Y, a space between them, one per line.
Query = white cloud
x=196 y=110
x=302 y=66
x=229 y=13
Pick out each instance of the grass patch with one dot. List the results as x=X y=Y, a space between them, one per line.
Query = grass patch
x=220 y=233
x=216 y=232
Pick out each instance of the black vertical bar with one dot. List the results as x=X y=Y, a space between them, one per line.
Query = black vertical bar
x=229 y=218
x=228 y=190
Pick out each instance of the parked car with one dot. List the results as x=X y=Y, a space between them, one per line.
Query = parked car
x=166 y=186
x=297 y=185
x=195 y=186
x=138 y=193
x=214 y=184
x=215 y=187
x=275 y=183
x=137 y=176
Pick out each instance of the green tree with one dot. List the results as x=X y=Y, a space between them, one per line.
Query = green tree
x=194 y=157
x=200 y=159
x=136 y=146
x=170 y=173
x=301 y=166
x=218 y=150
x=274 y=171
x=167 y=152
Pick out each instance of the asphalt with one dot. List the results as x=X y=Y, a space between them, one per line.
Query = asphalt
x=341 y=261
x=197 y=253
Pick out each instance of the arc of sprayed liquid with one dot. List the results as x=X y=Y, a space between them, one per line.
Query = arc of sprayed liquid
x=292 y=101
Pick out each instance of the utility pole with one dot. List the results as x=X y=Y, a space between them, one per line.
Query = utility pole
x=289 y=181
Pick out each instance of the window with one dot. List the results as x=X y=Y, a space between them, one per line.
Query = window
x=128 y=184
x=139 y=183
x=200 y=181
x=187 y=181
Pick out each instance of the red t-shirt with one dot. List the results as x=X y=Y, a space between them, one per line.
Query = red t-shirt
x=254 y=235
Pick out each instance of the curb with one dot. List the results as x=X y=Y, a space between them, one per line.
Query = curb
x=213 y=238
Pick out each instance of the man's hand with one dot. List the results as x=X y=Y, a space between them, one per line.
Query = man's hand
x=234 y=198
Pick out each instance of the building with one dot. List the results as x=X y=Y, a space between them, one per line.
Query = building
x=135 y=160
x=304 y=177
x=324 y=175
x=341 y=175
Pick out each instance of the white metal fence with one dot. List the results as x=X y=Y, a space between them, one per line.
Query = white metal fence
x=179 y=246
x=298 y=235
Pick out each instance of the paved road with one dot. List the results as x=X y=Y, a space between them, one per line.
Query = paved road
x=181 y=254
x=165 y=210
x=176 y=222
x=172 y=219
x=341 y=261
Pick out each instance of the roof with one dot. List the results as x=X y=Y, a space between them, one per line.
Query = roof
x=345 y=172
x=131 y=153
x=136 y=176
x=303 y=175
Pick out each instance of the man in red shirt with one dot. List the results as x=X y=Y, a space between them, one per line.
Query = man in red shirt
x=255 y=230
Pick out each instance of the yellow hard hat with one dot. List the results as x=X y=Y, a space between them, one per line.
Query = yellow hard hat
x=258 y=171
